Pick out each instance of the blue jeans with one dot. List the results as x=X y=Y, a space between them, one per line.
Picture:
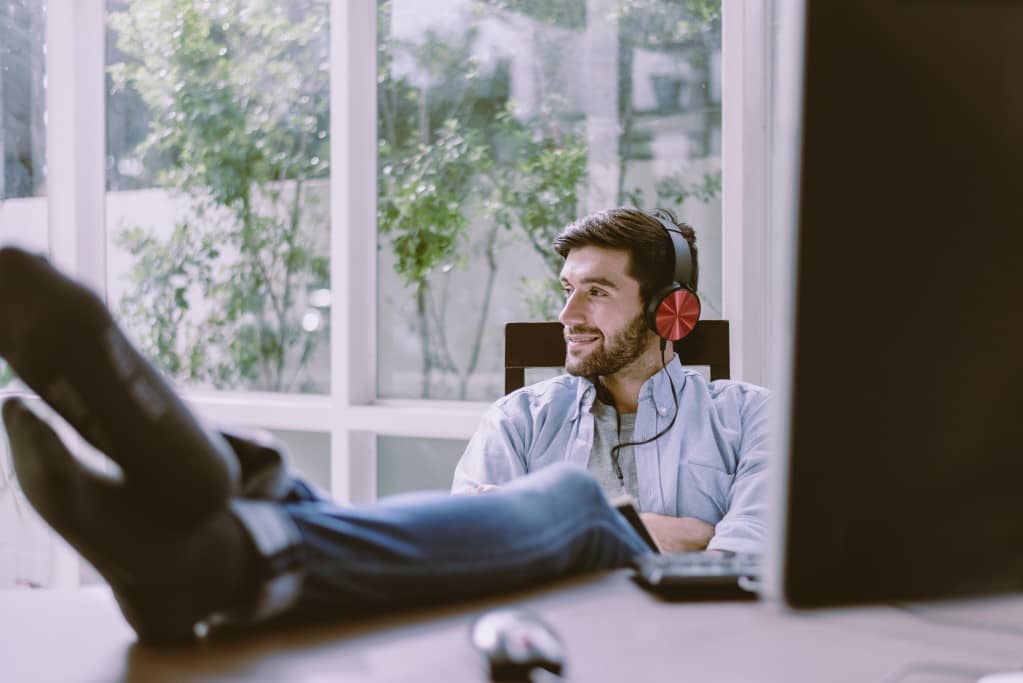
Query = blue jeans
x=433 y=547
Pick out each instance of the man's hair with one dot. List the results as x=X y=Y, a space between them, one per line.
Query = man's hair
x=651 y=252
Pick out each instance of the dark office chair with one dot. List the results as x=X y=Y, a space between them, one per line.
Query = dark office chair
x=542 y=345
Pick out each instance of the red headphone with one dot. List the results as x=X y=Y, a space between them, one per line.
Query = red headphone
x=673 y=310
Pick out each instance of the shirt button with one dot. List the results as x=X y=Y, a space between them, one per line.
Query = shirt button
x=662 y=411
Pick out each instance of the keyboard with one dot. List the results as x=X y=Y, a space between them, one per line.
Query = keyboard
x=700 y=575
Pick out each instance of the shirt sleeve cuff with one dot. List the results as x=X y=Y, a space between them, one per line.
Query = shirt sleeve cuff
x=736 y=539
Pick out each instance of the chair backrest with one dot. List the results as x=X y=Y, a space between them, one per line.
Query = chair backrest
x=542 y=345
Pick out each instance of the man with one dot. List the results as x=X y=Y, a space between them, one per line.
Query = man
x=206 y=527
x=692 y=453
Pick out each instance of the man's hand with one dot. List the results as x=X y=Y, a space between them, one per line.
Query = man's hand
x=678 y=534
x=486 y=488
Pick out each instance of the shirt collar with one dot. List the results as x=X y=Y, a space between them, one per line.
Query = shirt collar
x=658 y=388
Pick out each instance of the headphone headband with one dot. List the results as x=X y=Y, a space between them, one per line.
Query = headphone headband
x=683 y=256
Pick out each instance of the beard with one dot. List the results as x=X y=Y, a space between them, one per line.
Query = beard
x=617 y=351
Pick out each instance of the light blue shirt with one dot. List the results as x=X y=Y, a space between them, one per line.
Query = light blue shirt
x=711 y=465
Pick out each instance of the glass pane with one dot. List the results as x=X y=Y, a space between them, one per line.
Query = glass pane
x=22 y=96
x=23 y=209
x=308 y=455
x=500 y=121
x=414 y=464
x=217 y=179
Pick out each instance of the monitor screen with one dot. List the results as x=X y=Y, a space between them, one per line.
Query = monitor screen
x=901 y=472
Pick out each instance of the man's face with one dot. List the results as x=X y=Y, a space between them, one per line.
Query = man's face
x=603 y=313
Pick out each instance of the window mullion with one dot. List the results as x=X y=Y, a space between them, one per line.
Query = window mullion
x=353 y=242
x=74 y=143
x=75 y=137
x=746 y=70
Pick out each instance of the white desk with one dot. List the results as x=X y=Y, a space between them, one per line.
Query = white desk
x=613 y=631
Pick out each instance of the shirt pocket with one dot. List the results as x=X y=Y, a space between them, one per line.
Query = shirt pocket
x=703 y=491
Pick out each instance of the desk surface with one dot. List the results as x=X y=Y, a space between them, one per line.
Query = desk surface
x=613 y=631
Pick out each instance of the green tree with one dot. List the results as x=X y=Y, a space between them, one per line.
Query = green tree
x=539 y=196
x=238 y=92
x=432 y=155
x=459 y=176
x=691 y=32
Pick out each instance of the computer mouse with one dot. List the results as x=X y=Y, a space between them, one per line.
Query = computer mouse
x=515 y=642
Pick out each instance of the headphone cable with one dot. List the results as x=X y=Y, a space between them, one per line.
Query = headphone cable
x=618 y=417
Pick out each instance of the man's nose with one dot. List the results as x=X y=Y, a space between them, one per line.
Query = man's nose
x=571 y=313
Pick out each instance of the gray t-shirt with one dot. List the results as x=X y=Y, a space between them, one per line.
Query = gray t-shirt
x=606 y=437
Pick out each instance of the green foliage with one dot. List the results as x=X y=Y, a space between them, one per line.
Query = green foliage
x=456 y=169
x=239 y=96
x=163 y=273
x=6 y=374
x=422 y=198
x=567 y=13
x=538 y=192
x=657 y=23
x=675 y=190
x=543 y=298
x=648 y=22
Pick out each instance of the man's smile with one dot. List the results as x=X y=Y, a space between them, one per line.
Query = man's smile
x=577 y=342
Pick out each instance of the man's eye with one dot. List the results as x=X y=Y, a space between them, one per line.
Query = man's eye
x=597 y=292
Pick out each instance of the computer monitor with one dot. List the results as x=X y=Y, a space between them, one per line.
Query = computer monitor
x=900 y=170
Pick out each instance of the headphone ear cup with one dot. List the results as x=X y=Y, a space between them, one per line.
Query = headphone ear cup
x=650 y=314
x=673 y=312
